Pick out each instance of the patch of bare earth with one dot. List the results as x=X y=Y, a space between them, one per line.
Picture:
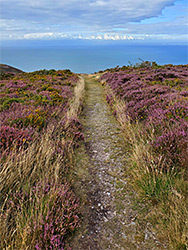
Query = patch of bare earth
x=109 y=220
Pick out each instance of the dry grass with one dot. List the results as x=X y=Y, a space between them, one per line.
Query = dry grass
x=36 y=162
x=76 y=104
x=21 y=171
x=33 y=164
x=166 y=191
x=39 y=163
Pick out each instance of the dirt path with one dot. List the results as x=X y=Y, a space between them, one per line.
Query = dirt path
x=109 y=222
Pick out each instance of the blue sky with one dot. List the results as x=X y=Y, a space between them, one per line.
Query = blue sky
x=162 y=20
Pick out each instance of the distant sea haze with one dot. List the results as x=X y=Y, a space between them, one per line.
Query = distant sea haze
x=89 y=58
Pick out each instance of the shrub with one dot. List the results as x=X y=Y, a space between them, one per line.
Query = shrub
x=151 y=105
x=173 y=145
x=44 y=216
x=12 y=138
x=6 y=104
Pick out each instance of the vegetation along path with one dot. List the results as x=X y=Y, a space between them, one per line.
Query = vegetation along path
x=109 y=222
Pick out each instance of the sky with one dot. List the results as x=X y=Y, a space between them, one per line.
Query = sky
x=162 y=20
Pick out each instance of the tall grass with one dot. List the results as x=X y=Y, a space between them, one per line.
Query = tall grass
x=76 y=104
x=163 y=186
x=38 y=207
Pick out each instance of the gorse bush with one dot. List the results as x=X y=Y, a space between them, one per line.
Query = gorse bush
x=7 y=102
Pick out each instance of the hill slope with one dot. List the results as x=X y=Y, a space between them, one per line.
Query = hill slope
x=9 y=69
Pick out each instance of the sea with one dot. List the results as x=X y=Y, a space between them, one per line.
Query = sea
x=86 y=56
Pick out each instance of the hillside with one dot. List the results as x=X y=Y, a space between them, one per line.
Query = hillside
x=39 y=127
x=9 y=69
x=94 y=161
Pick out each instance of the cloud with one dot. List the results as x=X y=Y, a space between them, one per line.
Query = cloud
x=38 y=35
x=92 y=12
x=114 y=37
x=104 y=37
x=56 y=35
x=92 y=19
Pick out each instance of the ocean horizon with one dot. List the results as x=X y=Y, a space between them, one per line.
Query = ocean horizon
x=87 y=57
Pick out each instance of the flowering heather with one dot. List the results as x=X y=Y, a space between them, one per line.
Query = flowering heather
x=74 y=128
x=173 y=143
x=38 y=208
x=28 y=101
x=157 y=97
x=52 y=210
x=151 y=104
x=11 y=137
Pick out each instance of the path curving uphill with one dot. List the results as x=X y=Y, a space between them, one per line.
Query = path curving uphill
x=109 y=222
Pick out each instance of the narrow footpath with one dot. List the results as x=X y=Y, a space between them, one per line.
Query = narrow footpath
x=109 y=220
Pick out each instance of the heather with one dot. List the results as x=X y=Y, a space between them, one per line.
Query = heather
x=151 y=103
x=39 y=131
x=30 y=101
x=156 y=97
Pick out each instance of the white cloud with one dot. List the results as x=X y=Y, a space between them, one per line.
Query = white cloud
x=38 y=35
x=99 y=4
x=114 y=37
x=92 y=19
